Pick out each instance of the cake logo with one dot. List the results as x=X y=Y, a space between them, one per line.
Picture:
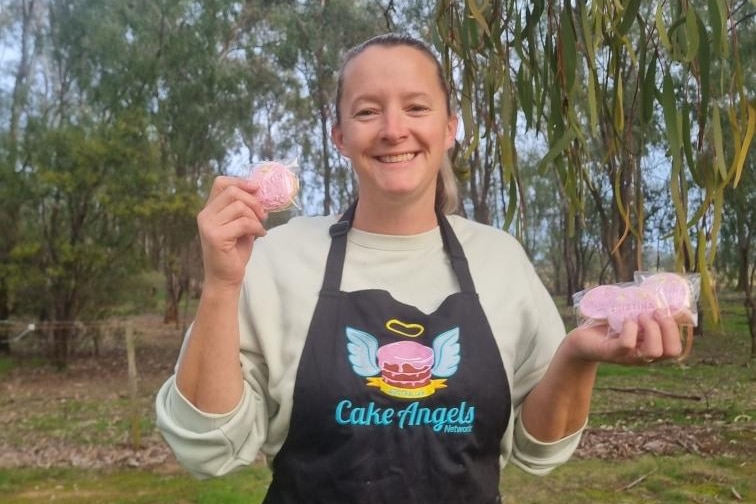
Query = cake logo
x=405 y=369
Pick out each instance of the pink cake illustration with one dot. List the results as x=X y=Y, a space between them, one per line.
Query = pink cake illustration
x=406 y=364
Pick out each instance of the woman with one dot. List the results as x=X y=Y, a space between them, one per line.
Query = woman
x=394 y=355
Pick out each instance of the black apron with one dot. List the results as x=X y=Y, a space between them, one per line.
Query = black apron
x=392 y=405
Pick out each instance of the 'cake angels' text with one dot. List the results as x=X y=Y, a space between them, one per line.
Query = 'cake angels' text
x=456 y=420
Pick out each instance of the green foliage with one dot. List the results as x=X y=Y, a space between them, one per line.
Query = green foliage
x=528 y=57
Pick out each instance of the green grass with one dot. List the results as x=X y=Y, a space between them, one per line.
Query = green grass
x=129 y=486
x=666 y=480
x=6 y=364
x=80 y=421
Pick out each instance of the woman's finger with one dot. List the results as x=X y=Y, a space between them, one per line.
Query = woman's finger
x=670 y=333
x=650 y=344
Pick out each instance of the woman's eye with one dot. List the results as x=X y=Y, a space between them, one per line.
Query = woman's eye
x=364 y=113
x=419 y=108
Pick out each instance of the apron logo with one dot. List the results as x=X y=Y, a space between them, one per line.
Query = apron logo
x=406 y=368
x=402 y=329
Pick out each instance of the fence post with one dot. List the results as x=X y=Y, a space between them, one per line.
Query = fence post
x=136 y=429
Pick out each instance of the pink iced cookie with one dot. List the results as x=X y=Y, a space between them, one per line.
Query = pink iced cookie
x=597 y=302
x=405 y=364
x=672 y=290
x=278 y=185
x=629 y=304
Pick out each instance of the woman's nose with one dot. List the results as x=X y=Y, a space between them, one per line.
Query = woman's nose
x=394 y=126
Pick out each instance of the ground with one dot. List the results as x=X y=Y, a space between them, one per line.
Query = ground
x=83 y=416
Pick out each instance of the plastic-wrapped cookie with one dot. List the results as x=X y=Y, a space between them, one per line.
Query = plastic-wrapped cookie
x=279 y=185
x=672 y=289
x=629 y=304
x=597 y=302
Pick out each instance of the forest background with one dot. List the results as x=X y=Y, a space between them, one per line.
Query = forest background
x=607 y=136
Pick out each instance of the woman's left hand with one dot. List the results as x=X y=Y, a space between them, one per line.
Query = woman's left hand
x=652 y=337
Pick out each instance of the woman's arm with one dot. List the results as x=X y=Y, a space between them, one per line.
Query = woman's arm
x=559 y=404
x=209 y=374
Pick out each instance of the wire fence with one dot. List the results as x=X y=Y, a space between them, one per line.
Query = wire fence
x=83 y=337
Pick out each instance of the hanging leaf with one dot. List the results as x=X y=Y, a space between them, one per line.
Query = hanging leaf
x=740 y=156
x=507 y=156
x=691 y=30
x=631 y=10
x=669 y=107
x=567 y=51
x=592 y=105
x=585 y=24
x=525 y=93
x=511 y=204
x=687 y=145
x=619 y=105
x=715 y=21
x=648 y=92
x=717 y=210
x=477 y=13
x=704 y=65
x=556 y=149
x=661 y=28
x=707 y=291
x=718 y=144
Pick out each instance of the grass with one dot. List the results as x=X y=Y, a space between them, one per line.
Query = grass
x=648 y=479
x=137 y=487
x=102 y=422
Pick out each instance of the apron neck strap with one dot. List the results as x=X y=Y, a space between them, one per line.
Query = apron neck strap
x=337 y=252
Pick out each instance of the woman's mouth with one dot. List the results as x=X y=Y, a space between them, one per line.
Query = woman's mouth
x=397 y=158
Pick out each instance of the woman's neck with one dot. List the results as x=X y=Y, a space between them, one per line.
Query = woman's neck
x=400 y=219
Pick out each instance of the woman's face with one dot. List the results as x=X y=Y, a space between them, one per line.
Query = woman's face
x=394 y=125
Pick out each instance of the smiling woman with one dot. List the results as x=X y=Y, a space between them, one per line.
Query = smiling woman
x=395 y=127
x=397 y=353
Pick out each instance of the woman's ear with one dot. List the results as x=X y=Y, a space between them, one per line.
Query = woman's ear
x=451 y=130
x=338 y=138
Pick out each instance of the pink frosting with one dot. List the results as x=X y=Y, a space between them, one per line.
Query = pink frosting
x=405 y=352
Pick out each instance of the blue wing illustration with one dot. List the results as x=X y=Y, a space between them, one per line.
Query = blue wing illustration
x=446 y=353
x=363 y=352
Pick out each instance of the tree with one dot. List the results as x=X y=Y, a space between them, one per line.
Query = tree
x=538 y=52
x=312 y=48
x=12 y=181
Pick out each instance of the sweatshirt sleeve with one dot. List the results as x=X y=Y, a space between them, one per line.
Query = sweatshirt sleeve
x=538 y=348
x=209 y=444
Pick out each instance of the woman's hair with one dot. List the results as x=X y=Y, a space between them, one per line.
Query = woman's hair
x=447 y=191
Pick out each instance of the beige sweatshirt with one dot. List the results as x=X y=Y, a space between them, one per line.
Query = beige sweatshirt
x=278 y=299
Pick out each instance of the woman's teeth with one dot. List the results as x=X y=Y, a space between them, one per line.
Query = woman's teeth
x=398 y=158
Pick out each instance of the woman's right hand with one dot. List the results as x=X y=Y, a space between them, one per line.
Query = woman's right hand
x=228 y=225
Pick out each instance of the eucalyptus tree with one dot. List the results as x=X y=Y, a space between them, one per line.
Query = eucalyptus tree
x=17 y=29
x=86 y=156
x=574 y=73
x=312 y=39
x=205 y=77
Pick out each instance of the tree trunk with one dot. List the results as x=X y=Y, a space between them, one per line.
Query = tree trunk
x=60 y=348
x=326 y=160
x=5 y=329
x=750 y=308
x=173 y=293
